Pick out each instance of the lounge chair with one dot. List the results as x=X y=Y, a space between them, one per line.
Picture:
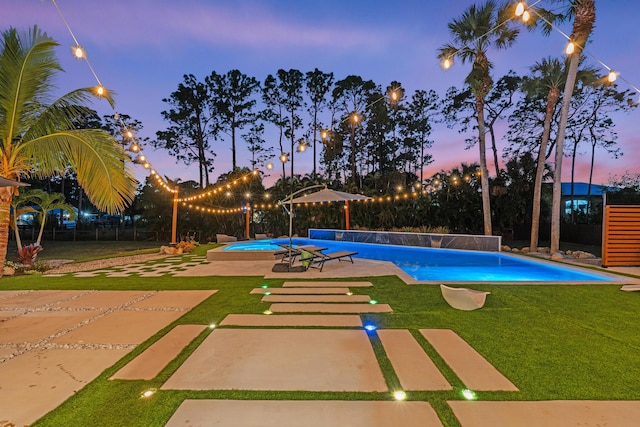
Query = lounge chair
x=261 y=236
x=223 y=238
x=319 y=258
x=294 y=252
x=463 y=298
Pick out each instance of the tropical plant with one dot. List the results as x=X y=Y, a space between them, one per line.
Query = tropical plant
x=48 y=202
x=27 y=254
x=478 y=29
x=38 y=137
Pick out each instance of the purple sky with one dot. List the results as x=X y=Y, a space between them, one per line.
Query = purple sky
x=141 y=48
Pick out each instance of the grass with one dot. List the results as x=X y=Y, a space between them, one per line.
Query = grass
x=553 y=342
x=92 y=250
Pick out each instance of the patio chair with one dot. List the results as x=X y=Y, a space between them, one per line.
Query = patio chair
x=319 y=258
x=294 y=252
x=223 y=238
x=463 y=298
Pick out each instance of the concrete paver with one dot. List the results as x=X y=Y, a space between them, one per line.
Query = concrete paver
x=150 y=362
x=121 y=327
x=38 y=299
x=316 y=298
x=103 y=299
x=329 y=308
x=35 y=383
x=316 y=284
x=332 y=320
x=310 y=413
x=301 y=291
x=38 y=325
x=414 y=368
x=281 y=359
x=473 y=369
x=558 y=413
x=175 y=299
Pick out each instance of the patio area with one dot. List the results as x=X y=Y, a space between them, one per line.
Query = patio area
x=318 y=362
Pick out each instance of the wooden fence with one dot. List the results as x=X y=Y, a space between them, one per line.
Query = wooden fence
x=621 y=236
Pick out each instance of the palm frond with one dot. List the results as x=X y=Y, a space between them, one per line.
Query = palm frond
x=27 y=63
x=100 y=164
x=62 y=113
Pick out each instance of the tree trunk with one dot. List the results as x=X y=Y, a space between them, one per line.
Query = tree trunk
x=484 y=172
x=552 y=100
x=6 y=194
x=585 y=16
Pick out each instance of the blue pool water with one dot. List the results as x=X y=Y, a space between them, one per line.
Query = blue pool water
x=445 y=264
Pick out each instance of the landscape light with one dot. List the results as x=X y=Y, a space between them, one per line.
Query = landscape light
x=468 y=394
x=370 y=327
x=399 y=395
x=148 y=393
x=212 y=326
x=373 y=301
x=267 y=312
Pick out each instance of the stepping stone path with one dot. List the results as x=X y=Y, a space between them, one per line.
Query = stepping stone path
x=167 y=266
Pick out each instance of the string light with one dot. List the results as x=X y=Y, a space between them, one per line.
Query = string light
x=570 y=48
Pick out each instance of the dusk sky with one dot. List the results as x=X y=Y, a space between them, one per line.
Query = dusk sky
x=141 y=49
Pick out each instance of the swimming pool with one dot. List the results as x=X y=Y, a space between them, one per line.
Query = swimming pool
x=451 y=265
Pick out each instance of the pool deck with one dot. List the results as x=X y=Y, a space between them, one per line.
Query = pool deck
x=372 y=268
x=224 y=261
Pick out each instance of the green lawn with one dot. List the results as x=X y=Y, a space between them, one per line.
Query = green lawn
x=91 y=250
x=552 y=342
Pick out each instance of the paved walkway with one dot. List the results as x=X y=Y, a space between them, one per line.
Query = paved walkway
x=52 y=343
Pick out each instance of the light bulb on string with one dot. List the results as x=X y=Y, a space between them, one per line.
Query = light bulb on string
x=78 y=52
x=520 y=9
x=526 y=16
x=100 y=90
x=446 y=63
x=570 y=48
x=612 y=76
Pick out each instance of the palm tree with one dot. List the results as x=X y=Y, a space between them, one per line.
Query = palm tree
x=584 y=13
x=546 y=78
x=478 y=29
x=48 y=202
x=37 y=135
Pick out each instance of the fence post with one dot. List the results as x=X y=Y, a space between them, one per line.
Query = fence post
x=96 y=234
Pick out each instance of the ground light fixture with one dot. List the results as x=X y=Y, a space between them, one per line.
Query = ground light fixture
x=399 y=395
x=370 y=327
x=469 y=394
x=212 y=325
x=267 y=312
x=373 y=301
x=148 y=393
